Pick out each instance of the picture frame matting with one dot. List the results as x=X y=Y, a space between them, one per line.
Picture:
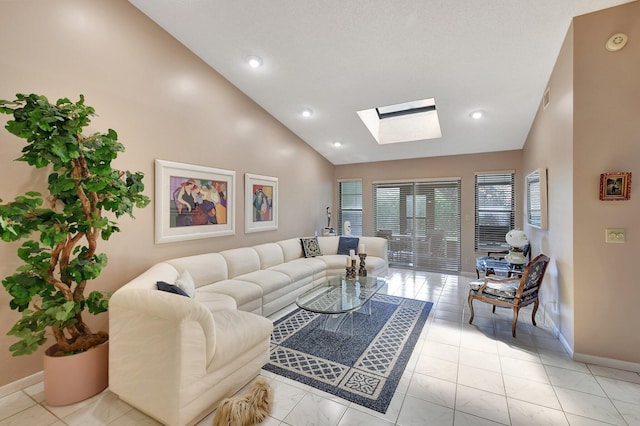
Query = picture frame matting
x=261 y=203
x=193 y=202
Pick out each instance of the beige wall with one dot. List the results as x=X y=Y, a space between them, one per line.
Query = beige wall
x=164 y=103
x=550 y=146
x=606 y=132
x=461 y=166
x=592 y=127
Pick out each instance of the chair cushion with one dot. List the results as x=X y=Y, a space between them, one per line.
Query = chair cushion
x=505 y=291
x=502 y=289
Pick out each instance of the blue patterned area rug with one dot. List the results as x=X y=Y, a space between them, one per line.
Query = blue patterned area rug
x=364 y=368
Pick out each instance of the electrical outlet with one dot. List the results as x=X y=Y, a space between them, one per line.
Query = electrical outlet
x=615 y=235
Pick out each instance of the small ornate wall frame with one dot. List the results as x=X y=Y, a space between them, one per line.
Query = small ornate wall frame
x=615 y=186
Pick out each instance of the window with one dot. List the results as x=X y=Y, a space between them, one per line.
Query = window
x=350 y=205
x=421 y=220
x=495 y=209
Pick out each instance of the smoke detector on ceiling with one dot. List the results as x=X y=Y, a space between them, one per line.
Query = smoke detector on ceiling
x=616 y=42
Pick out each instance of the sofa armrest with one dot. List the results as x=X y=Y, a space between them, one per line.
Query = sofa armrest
x=376 y=246
x=159 y=344
x=159 y=305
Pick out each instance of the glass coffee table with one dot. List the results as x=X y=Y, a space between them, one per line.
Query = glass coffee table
x=338 y=298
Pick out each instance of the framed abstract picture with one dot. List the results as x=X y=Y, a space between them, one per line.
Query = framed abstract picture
x=261 y=203
x=193 y=202
x=615 y=186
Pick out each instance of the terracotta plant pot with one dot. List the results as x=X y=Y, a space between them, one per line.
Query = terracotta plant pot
x=74 y=378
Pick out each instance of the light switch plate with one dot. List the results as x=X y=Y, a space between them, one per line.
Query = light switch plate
x=615 y=235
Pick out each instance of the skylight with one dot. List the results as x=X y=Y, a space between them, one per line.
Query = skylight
x=404 y=122
x=406 y=108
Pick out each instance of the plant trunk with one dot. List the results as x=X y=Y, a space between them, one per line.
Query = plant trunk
x=80 y=341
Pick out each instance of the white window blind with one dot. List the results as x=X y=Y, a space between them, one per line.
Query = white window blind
x=350 y=205
x=421 y=220
x=494 y=210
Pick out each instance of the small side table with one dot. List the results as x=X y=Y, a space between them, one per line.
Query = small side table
x=516 y=269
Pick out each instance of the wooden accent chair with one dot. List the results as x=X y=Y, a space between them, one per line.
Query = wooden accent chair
x=511 y=292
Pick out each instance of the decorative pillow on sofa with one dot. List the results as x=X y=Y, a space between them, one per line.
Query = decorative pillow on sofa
x=348 y=243
x=310 y=247
x=186 y=284
x=170 y=288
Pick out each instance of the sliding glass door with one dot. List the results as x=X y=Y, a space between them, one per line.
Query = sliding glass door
x=421 y=220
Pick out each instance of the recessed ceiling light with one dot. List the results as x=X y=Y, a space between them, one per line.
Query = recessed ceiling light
x=476 y=115
x=306 y=113
x=337 y=144
x=254 y=61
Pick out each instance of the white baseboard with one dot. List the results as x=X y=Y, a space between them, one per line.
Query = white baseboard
x=591 y=359
x=607 y=362
x=556 y=332
x=20 y=384
x=566 y=345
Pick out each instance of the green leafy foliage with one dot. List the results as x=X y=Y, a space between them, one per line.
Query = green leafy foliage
x=59 y=253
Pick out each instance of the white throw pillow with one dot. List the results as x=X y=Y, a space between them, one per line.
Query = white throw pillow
x=185 y=282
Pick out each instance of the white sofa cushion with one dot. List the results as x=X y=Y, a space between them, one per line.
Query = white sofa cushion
x=241 y=261
x=291 y=248
x=215 y=301
x=267 y=279
x=328 y=245
x=203 y=268
x=247 y=295
x=162 y=271
x=315 y=263
x=375 y=246
x=297 y=271
x=376 y=266
x=270 y=254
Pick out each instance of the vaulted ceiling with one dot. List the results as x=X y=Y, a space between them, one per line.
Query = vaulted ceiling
x=337 y=57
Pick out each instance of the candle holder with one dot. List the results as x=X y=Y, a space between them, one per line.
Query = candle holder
x=362 y=271
x=350 y=272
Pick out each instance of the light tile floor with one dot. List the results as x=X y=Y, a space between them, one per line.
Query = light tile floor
x=459 y=374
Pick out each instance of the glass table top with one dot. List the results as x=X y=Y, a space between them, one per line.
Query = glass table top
x=339 y=295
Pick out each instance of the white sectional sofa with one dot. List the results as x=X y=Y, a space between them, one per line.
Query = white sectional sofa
x=175 y=358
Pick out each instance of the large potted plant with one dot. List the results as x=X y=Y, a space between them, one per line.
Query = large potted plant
x=62 y=230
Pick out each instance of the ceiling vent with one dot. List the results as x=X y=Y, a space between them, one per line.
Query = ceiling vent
x=545 y=99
